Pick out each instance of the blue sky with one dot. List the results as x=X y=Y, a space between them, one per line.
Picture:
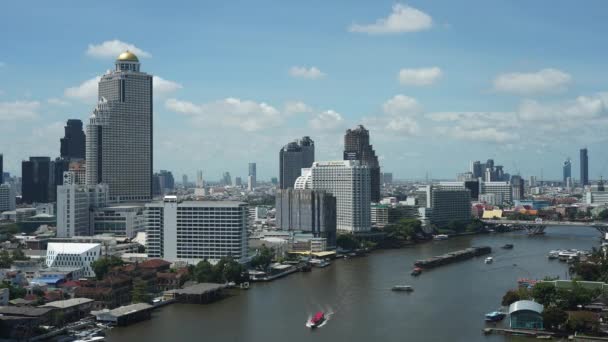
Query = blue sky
x=438 y=83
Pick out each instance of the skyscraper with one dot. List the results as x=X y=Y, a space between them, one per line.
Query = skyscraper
x=567 y=170
x=1 y=169
x=584 y=167
x=252 y=182
x=119 y=134
x=293 y=157
x=37 y=177
x=357 y=147
x=199 y=179
x=184 y=180
x=73 y=142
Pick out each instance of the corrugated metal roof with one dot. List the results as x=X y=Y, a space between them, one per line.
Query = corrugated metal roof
x=526 y=305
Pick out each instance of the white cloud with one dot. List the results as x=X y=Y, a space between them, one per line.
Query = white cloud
x=401 y=104
x=86 y=91
x=487 y=134
x=327 y=120
x=57 y=102
x=583 y=107
x=403 y=19
x=232 y=112
x=113 y=48
x=309 y=73
x=399 y=116
x=419 y=77
x=19 y=110
x=543 y=81
x=162 y=86
x=297 y=107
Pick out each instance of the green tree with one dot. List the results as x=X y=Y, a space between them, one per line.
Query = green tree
x=587 y=271
x=140 y=292
x=404 y=230
x=544 y=293
x=510 y=297
x=5 y=259
x=554 y=317
x=102 y=265
x=19 y=255
x=203 y=272
x=347 y=242
x=475 y=225
x=603 y=215
x=263 y=258
x=456 y=226
x=14 y=292
x=583 y=321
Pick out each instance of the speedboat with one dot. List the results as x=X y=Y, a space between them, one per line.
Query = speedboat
x=319 y=263
x=508 y=246
x=495 y=316
x=489 y=260
x=416 y=271
x=553 y=254
x=406 y=288
x=317 y=320
x=440 y=237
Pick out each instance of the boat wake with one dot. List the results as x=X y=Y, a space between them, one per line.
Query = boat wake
x=328 y=314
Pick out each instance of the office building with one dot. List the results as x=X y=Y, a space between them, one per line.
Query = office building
x=75 y=206
x=387 y=178
x=185 y=181
x=38 y=180
x=192 y=231
x=503 y=190
x=73 y=142
x=349 y=182
x=567 y=170
x=162 y=183
x=307 y=211
x=199 y=179
x=73 y=255
x=252 y=176
x=596 y=197
x=238 y=181
x=449 y=206
x=2 y=169
x=517 y=188
x=477 y=169
x=7 y=197
x=124 y=220
x=292 y=158
x=474 y=187
x=119 y=134
x=358 y=147
x=584 y=167
x=226 y=179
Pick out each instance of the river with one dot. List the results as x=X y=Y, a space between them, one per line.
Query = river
x=448 y=302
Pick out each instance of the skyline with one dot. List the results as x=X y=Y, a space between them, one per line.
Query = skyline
x=224 y=98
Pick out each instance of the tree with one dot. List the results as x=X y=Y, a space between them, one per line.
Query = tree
x=203 y=272
x=510 y=297
x=456 y=226
x=587 y=271
x=544 y=293
x=263 y=258
x=583 y=321
x=140 y=292
x=14 y=292
x=5 y=259
x=19 y=255
x=347 y=242
x=603 y=215
x=102 y=265
x=231 y=270
x=554 y=317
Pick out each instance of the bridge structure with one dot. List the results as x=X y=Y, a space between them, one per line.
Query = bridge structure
x=538 y=226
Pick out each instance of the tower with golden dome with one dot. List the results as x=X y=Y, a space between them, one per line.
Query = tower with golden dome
x=119 y=148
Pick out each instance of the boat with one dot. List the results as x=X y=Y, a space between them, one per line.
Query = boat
x=416 y=271
x=495 y=316
x=553 y=255
x=440 y=237
x=317 y=320
x=319 y=263
x=489 y=260
x=508 y=246
x=244 y=285
x=406 y=288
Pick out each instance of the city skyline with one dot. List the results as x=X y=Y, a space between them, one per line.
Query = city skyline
x=509 y=109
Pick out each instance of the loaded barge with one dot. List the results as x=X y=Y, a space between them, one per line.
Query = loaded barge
x=453 y=257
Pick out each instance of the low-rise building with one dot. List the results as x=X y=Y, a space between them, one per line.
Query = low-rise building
x=120 y=220
x=526 y=314
x=79 y=255
x=72 y=309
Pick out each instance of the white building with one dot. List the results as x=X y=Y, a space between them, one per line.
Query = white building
x=7 y=197
x=349 y=182
x=192 y=231
x=379 y=215
x=120 y=220
x=445 y=205
x=502 y=190
x=119 y=133
x=75 y=203
x=596 y=197
x=73 y=255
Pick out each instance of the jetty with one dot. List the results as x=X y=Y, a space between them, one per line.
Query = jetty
x=451 y=257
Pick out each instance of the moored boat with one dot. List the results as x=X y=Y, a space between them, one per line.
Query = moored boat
x=440 y=237
x=405 y=288
x=489 y=260
x=416 y=271
x=507 y=246
x=319 y=263
x=495 y=316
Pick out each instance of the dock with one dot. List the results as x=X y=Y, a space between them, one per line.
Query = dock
x=451 y=257
x=524 y=332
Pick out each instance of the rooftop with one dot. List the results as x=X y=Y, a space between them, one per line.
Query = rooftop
x=154 y=263
x=124 y=310
x=213 y=204
x=67 y=303
x=526 y=305
x=23 y=311
x=197 y=289
x=71 y=247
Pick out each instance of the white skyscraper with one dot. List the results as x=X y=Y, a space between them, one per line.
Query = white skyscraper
x=119 y=134
x=192 y=231
x=349 y=182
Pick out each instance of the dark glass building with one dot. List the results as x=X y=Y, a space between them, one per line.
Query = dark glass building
x=357 y=147
x=73 y=143
x=293 y=157
x=584 y=167
x=37 y=180
x=1 y=169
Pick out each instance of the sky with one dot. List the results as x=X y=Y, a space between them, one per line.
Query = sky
x=437 y=83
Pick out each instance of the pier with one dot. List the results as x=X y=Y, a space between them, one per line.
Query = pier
x=451 y=257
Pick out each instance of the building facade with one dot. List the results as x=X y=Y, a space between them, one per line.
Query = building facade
x=584 y=167
x=252 y=176
x=7 y=197
x=357 y=147
x=78 y=255
x=450 y=205
x=119 y=134
x=119 y=220
x=293 y=157
x=38 y=180
x=73 y=142
x=567 y=170
x=192 y=231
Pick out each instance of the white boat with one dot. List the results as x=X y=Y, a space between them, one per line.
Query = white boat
x=553 y=254
x=319 y=263
x=406 y=288
x=440 y=237
x=489 y=260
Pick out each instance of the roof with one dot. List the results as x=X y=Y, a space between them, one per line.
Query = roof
x=23 y=311
x=124 y=310
x=209 y=204
x=526 y=305
x=128 y=56
x=67 y=303
x=154 y=263
x=71 y=247
x=199 y=288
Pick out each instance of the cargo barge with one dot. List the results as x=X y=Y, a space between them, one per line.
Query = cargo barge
x=451 y=257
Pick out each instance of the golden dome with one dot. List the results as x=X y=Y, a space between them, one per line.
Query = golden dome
x=128 y=56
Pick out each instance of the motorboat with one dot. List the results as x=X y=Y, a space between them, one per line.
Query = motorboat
x=440 y=237
x=508 y=246
x=489 y=260
x=317 y=320
x=319 y=263
x=405 y=288
x=495 y=316
x=553 y=255
x=416 y=271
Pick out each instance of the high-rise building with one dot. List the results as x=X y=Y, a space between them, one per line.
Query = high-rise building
x=349 y=182
x=477 y=169
x=199 y=179
x=387 y=178
x=1 y=169
x=74 y=140
x=253 y=173
x=7 y=197
x=119 y=134
x=226 y=179
x=38 y=180
x=220 y=230
x=584 y=167
x=449 y=206
x=517 y=186
x=307 y=211
x=292 y=158
x=185 y=181
x=250 y=183
x=163 y=182
x=357 y=147
x=238 y=181
x=567 y=170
